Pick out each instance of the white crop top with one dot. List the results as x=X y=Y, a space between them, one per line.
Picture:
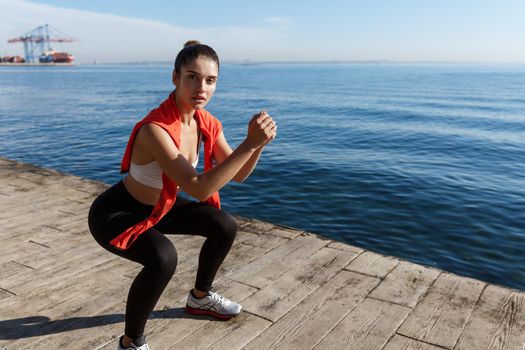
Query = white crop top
x=150 y=174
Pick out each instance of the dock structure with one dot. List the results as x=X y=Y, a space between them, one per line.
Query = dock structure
x=51 y=64
x=60 y=290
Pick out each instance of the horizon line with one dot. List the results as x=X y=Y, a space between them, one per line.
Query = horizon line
x=250 y=62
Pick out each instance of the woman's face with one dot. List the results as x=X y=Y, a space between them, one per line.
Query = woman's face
x=196 y=83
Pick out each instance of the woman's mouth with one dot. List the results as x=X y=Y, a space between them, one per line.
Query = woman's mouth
x=198 y=99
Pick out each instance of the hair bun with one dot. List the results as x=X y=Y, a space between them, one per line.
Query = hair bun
x=191 y=43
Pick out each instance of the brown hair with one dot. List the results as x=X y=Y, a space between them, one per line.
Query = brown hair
x=191 y=51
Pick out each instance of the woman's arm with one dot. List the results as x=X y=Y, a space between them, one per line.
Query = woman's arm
x=222 y=150
x=201 y=186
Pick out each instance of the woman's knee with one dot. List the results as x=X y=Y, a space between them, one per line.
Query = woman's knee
x=227 y=226
x=165 y=259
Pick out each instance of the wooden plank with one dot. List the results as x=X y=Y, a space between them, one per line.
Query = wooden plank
x=254 y=225
x=307 y=323
x=43 y=203
x=267 y=268
x=28 y=220
x=36 y=177
x=399 y=342
x=10 y=269
x=58 y=267
x=243 y=236
x=74 y=209
x=4 y=294
x=58 y=300
x=442 y=314
x=23 y=213
x=77 y=330
x=80 y=294
x=233 y=334
x=498 y=322
x=58 y=314
x=13 y=246
x=105 y=302
x=284 y=232
x=279 y=297
x=247 y=248
x=267 y=242
x=405 y=284
x=372 y=264
x=346 y=247
x=72 y=222
x=63 y=263
x=367 y=327
x=57 y=190
x=62 y=239
x=90 y=308
x=24 y=254
x=18 y=210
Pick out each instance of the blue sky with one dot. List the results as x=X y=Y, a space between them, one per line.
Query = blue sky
x=401 y=30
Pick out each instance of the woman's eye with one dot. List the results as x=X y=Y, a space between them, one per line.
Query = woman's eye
x=210 y=81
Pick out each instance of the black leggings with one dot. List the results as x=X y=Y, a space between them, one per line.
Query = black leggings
x=115 y=210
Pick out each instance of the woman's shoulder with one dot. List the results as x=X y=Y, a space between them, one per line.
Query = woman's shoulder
x=151 y=133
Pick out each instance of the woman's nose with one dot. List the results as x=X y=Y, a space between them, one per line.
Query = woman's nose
x=201 y=85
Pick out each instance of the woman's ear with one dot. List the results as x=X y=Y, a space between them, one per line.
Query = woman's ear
x=175 y=78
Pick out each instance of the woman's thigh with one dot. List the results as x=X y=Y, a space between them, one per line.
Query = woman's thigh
x=113 y=212
x=151 y=248
x=196 y=218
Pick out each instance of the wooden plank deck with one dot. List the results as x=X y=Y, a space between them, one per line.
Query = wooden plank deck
x=60 y=290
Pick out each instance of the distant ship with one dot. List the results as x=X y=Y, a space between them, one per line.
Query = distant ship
x=12 y=59
x=55 y=57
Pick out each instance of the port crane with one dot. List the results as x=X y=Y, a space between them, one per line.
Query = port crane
x=37 y=41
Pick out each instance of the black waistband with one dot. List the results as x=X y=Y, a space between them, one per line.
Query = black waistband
x=124 y=196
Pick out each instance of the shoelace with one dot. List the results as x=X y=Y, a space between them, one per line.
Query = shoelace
x=218 y=298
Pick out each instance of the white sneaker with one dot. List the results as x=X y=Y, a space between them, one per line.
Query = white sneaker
x=137 y=344
x=212 y=304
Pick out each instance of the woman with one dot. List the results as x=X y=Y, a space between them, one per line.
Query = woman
x=131 y=218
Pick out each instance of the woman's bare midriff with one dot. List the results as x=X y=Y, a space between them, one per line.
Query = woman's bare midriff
x=142 y=193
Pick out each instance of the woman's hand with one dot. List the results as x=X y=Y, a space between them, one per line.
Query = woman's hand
x=262 y=129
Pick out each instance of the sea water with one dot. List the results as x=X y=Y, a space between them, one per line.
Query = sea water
x=425 y=162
